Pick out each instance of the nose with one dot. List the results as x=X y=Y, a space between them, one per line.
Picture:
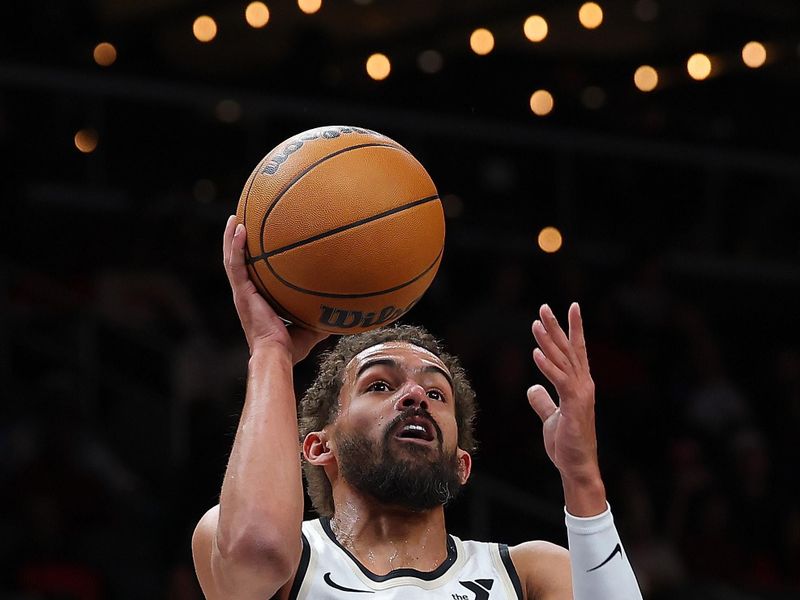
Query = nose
x=413 y=397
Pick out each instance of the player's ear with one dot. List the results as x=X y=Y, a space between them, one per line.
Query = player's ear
x=316 y=448
x=464 y=465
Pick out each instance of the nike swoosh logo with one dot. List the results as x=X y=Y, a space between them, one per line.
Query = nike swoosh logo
x=333 y=584
x=617 y=550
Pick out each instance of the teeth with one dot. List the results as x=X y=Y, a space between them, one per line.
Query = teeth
x=414 y=428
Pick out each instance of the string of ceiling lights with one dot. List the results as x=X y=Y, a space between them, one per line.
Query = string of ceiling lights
x=646 y=78
x=378 y=66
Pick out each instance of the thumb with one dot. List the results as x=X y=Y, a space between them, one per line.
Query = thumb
x=541 y=402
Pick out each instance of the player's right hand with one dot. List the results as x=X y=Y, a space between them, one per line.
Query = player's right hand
x=262 y=326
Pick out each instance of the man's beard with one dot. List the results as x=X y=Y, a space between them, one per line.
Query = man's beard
x=415 y=477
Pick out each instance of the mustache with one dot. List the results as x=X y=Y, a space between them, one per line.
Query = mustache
x=413 y=412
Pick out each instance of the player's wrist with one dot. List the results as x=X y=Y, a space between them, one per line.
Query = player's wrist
x=584 y=495
x=269 y=350
x=583 y=475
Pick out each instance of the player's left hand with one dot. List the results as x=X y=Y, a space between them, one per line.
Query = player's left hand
x=569 y=427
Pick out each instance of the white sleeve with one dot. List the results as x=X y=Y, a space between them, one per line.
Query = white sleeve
x=600 y=567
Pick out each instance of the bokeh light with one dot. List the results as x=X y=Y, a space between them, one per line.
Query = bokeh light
x=105 y=54
x=550 y=240
x=535 y=28
x=646 y=78
x=541 y=102
x=204 y=28
x=86 y=140
x=590 y=15
x=754 y=54
x=481 y=41
x=698 y=66
x=378 y=66
x=257 y=14
x=309 y=6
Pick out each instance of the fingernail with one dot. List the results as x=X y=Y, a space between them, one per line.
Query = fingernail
x=239 y=230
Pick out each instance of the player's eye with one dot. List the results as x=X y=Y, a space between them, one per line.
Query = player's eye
x=378 y=386
x=436 y=395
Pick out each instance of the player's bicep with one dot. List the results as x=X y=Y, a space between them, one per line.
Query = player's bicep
x=222 y=579
x=544 y=570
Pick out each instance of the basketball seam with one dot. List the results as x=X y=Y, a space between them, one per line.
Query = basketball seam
x=361 y=295
x=305 y=171
x=270 y=298
x=250 y=187
x=281 y=309
x=353 y=225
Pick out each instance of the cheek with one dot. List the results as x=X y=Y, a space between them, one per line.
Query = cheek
x=447 y=423
x=367 y=418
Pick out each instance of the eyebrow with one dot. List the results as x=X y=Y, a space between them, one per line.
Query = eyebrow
x=390 y=362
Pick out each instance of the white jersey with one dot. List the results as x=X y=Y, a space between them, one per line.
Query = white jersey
x=471 y=571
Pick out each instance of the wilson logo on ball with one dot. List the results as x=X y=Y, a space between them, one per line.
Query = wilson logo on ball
x=348 y=319
x=328 y=133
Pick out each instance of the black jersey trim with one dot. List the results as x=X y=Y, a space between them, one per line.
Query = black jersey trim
x=305 y=557
x=505 y=556
x=452 y=555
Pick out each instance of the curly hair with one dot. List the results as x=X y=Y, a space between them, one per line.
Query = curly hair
x=320 y=404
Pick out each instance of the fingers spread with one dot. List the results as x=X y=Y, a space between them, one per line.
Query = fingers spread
x=555 y=375
x=576 y=334
x=554 y=329
x=541 y=402
x=548 y=346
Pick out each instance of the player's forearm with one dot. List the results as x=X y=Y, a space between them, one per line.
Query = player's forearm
x=599 y=564
x=261 y=505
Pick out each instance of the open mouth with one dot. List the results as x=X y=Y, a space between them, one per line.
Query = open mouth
x=416 y=428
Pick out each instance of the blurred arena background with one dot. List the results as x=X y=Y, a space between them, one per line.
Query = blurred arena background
x=665 y=199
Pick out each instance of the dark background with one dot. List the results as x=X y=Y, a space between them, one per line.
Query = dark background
x=121 y=356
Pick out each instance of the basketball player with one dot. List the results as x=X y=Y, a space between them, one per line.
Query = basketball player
x=387 y=429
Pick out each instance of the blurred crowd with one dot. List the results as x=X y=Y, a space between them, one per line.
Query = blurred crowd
x=123 y=387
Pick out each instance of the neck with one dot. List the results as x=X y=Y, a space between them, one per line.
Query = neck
x=384 y=538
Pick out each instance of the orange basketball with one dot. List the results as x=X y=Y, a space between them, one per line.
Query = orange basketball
x=345 y=230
